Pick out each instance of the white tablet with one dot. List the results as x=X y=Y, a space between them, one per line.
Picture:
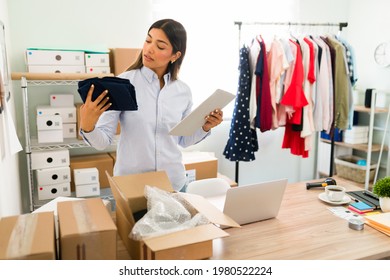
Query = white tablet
x=195 y=120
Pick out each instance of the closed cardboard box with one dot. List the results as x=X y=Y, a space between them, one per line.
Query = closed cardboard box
x=122 y=58
x=193 y=243
x=87 y=231
x=103 y=162
x=203 y=164
x=28 y=237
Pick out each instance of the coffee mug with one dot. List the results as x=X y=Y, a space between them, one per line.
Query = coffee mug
x=335 y=193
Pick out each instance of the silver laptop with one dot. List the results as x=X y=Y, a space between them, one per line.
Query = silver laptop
x=252 y=203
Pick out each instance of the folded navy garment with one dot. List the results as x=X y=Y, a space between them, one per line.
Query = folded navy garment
x=120 y=91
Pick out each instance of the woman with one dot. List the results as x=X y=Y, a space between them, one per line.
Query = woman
x=163 y=101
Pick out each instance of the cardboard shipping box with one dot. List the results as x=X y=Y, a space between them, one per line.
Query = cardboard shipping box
x=86 y=230
x=202 y=165
x=102 y=162
x=28 y=237
x=194 y=243
x=122 y=58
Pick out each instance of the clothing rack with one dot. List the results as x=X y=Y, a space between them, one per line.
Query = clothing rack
x=341 y=25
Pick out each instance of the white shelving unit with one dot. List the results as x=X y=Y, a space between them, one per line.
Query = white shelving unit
x=41 y=79
x=370 y=147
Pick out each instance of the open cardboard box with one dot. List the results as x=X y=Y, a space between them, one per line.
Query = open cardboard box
x=189 y=244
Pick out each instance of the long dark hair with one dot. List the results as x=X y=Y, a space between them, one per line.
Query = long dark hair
x=177 y=36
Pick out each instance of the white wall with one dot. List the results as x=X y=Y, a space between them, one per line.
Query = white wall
x=10 y=198
x=212 y=57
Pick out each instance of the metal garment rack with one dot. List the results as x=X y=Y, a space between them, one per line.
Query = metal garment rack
x=341 y=25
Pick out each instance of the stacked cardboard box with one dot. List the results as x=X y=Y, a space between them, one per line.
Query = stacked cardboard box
x=52 y=172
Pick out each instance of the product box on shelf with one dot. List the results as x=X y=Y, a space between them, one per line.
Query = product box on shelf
x=356 y=135
x=49 y=159
x=54 y=175
x=122 y=58
x=97 y=59
x=87 y=190
x=193 y=243
x=49 y=122
x=54 y=57
x=28 y=237
x=87 y=231
x=53 y=191
x=63 y=100
x=69 y=130
x=103 y=162
x=51 y=136
x=67 y=114
x=97 y=69
x=83 y=176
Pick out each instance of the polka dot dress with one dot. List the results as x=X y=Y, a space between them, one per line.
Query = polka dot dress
x=242 y=143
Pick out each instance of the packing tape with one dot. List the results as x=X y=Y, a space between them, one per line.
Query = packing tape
x=82 y=216
x=22 y=236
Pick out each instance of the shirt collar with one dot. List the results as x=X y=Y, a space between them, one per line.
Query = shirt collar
x=150 y=75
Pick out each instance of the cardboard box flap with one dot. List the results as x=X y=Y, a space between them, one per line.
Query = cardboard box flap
x=212 y=213
x=185 y=237
x=132 y=187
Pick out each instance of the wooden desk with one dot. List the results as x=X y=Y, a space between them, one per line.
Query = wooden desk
x=304 y=229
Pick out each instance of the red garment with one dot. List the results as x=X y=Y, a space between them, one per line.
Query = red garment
x=311 y=76
x=265 y=111
x=295 y=97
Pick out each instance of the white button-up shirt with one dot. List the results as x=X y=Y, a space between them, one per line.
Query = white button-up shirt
x=144 y=143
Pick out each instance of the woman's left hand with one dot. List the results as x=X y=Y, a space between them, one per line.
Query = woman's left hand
x=213 y=119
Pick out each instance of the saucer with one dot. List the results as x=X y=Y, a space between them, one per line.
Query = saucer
x=324 y=198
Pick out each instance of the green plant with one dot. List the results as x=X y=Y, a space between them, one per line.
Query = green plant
x=382 y=187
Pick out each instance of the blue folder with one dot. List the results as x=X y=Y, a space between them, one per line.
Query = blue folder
x=120 y=91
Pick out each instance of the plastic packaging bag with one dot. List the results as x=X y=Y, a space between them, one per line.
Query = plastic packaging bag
x=167 y=212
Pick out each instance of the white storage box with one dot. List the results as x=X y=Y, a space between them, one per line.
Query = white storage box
x=83 y=176
x=97 y=70
x=97 y=59
x=62 y=100
x=55 y=69
x=54 y=57
x=68 y=114
x=50 y=159
x=356 y=135
x=87 y=190
x=53 y=191
x=56 y=175
x=49 y=122
x=69 y=130
x=51 y=136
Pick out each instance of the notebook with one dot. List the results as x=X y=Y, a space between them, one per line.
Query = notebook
x=195 y=120
x=251 y=203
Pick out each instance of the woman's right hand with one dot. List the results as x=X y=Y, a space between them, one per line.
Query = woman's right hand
x=90 y=111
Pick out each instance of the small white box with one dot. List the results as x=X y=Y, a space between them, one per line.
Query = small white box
x=69 y=130
x=355 y=140
x=87 y=190
x=53 y=191
x=83 y=176
x=51 y=136
x=55 y=69
x=49 y=159
x=54 y=57
x=62 y=100
x=97 y=69
x=55 y=175
x=68 y=114
x=49 y=122
x=97 y=59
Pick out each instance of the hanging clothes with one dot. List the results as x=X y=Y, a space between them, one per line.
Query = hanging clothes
x=242 y=143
